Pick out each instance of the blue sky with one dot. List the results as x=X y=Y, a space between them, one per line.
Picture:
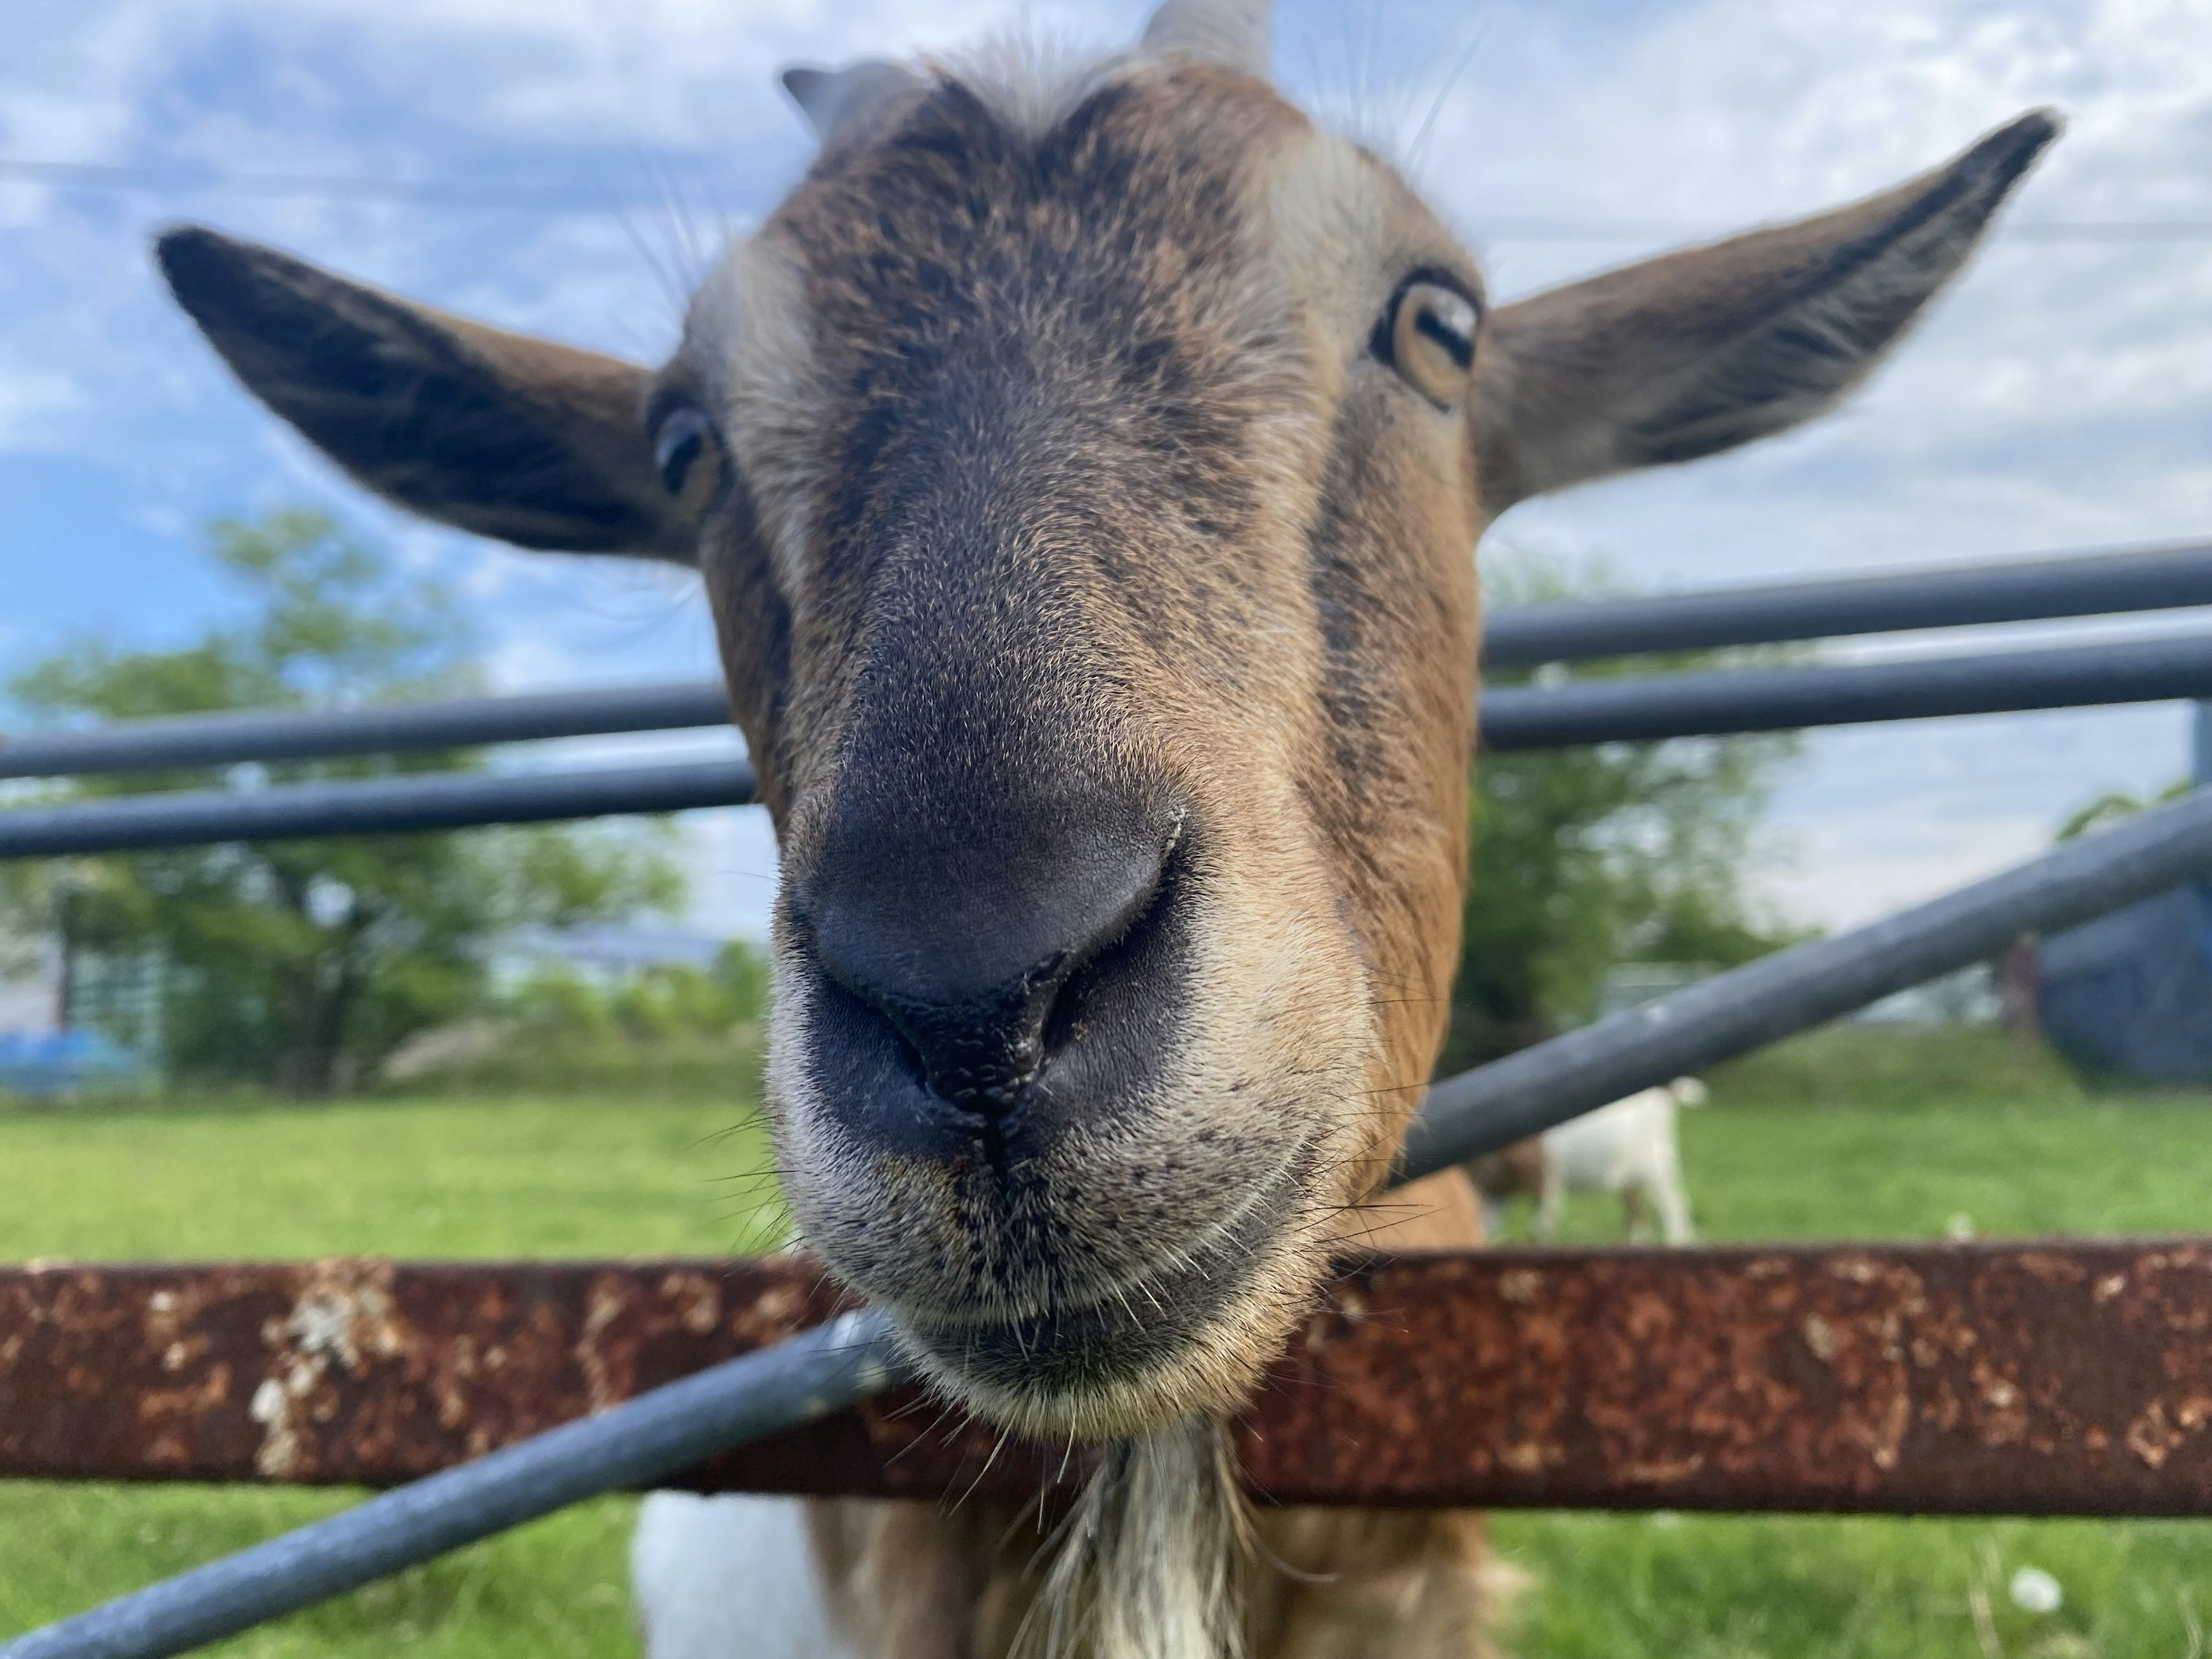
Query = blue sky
x=588 y=155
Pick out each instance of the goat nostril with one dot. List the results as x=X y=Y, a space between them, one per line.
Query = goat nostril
x=980 y=994
x=977 y=1059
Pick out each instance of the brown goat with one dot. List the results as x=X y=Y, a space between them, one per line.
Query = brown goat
x=1085 y=468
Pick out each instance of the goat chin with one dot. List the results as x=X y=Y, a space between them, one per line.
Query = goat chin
x=1149 y=1561
x=1153 y=1558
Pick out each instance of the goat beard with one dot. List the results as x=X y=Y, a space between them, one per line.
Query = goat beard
x=1151 y=1561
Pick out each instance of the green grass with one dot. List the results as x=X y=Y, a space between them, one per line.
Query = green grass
x=1839 y=1135
x=420 y=1178
x=210 y=1179
x=1770 y=1587
x=557 y=1589
x=1855 y=1066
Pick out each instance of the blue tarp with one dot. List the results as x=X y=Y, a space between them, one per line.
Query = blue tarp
x=60 y=1062
x=2131 y=992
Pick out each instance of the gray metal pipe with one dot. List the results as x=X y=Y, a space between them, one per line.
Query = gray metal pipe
x=1884 y=602
x=1475 y=1112
x=184 y=742
x=821 y=1371
x=1639 y=709
x=376 y=806
x=1939 y=597
x=1646 y=708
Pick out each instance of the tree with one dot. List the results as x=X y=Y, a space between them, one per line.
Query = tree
x=301 y=962
x=2116 y=805
x=1582 y=859
x=656 y=1004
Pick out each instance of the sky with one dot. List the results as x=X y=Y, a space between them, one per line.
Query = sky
x=567 y=167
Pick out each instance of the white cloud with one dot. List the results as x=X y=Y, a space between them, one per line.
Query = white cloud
x=31 y=398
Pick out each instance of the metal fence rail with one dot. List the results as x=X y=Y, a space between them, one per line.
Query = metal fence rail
x=376 y=806
x=1513 y=717
x=1637 y=709
x=184 y=742
x=1883 y=602
x=1649 y=707
x=1722 y=1016
x=1562 y=1378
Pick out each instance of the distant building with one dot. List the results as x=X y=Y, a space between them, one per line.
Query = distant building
x=30 y=987
x=45 y=1064
x=38 y=1056
x=118 y=994
x=2131 y=992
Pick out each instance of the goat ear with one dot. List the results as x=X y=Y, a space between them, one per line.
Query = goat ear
x=531 y=442
x=1701 y=350
x=838 y=102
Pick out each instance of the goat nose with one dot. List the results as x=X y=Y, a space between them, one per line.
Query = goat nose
x=965 y=950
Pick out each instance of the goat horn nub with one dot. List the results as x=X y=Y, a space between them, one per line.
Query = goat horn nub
x=1231 y=32
x=835 y=100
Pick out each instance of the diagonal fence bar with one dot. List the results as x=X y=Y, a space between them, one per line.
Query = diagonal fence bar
x=1463 y=1117
x=1806 y=985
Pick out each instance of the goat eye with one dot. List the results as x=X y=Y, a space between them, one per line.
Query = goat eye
x=1430 y=330
x=676 y=446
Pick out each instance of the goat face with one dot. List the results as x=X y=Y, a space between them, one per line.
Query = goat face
x=1126 y=692
x=1086 y=480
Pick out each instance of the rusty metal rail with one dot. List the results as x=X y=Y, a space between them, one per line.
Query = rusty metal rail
x=2051 y=1378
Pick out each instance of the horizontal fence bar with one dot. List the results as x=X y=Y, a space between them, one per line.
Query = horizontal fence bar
x=2059 y=1377
x=1807 y=985
x=1882 y=601
x=182 y=742
x=377 y=806
x=1514 y=717
x=1647 y=709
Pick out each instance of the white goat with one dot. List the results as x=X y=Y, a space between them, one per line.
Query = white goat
x=1628 y=1149
x=725 y=1578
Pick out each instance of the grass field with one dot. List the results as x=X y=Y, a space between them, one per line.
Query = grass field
x=1840 y=1135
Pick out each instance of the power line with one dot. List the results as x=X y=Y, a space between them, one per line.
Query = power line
x=2032 y=230
x=566 y=199
x=424 y=192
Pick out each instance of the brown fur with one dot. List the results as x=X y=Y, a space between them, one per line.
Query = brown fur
x=1292 y=501
x=911 y=1581
x=1060 y=459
